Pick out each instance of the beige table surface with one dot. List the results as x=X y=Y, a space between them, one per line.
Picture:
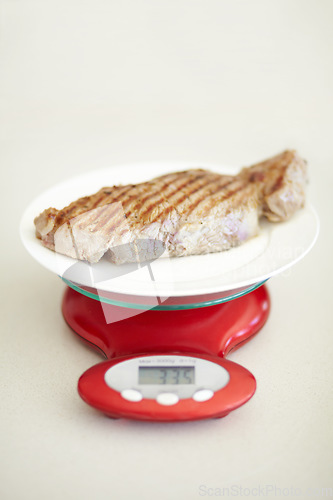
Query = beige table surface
x=91 y=84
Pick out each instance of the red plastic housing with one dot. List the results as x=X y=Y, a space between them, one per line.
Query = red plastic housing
x=209 y=333
x=95 y=392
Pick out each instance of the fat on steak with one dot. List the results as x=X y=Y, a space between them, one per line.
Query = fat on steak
x=187 y=213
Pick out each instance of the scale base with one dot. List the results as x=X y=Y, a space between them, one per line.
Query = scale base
x=208 y=333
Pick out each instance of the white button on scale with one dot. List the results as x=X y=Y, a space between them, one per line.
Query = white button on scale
x=203 y=395
x=131 y=395
x=167 y=398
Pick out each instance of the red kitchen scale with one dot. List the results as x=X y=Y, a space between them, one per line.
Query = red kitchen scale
x=166 y=327
x=166 y=363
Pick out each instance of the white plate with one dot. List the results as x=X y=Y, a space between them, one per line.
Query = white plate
x=278 y=246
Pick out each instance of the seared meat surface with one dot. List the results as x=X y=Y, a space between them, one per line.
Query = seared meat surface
x=190 y=212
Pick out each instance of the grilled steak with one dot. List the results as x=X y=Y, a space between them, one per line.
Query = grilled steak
x=190 y=212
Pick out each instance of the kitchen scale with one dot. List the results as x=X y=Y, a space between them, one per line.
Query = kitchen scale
x=166 y=326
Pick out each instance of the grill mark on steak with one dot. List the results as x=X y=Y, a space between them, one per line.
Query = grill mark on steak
x=112 y=195
x=98 y=200
x=169 y=196
x=279 y=181
x=177 y=197
x=209 y=198
x=111 y=210
x=209 y=201
x=134 y=195
x=121 y=193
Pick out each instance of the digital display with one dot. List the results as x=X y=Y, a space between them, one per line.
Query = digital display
x=166 y=375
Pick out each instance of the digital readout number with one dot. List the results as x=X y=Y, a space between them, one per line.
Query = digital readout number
x=166 y=375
